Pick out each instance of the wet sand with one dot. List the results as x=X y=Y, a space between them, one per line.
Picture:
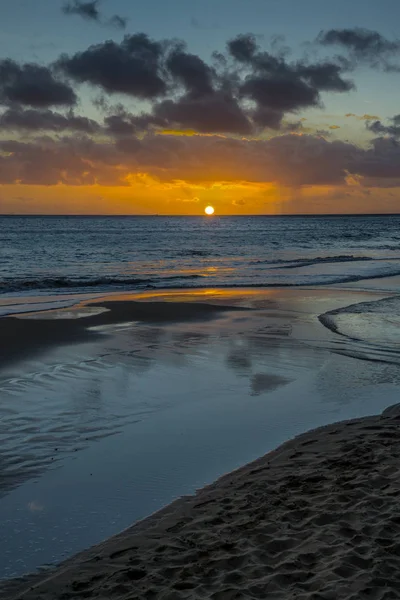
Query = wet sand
x=23 y=337
x=316 y=518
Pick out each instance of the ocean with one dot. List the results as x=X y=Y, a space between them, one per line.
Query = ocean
x=58 y=255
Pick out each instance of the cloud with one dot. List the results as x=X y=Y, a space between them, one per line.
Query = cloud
x=243 y=48
x=191 y=71
x=289 y=160
x=131 y=67
x=379 y=128
x=17 y=119
x=365 y=117
x=273 y=86
x=364 y=46
x=277 y=86
x=32 y=85
x=381 y=161
x=90 y=11
x=319 y=76
x=195 y=199
x=87 y=10
x=216 y=112
x=70 y=160
x=222 y=106
x=123 y=124
x=118 y=22
x=241 y=93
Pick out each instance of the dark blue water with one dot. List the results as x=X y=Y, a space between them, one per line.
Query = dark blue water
x=98 y=254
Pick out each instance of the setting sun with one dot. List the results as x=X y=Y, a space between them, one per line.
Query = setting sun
x=209 y=210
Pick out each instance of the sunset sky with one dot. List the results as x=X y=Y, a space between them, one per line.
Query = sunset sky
x=251 y=106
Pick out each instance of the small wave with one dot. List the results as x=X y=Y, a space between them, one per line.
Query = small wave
x=369 y=329
x=305 y=262
x=308 y=262
x=62 y=283
x=385 y=311
x=51 y=283
x=381 y=306
x=201 y=253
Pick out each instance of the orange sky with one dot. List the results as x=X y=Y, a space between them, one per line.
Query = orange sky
x=152 y=197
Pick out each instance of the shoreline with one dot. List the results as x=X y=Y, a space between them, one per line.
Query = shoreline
x=313 y=516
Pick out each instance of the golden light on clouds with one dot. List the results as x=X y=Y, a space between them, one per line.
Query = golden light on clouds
x=146 y=195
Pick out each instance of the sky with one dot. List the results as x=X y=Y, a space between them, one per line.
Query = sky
x=252 y=106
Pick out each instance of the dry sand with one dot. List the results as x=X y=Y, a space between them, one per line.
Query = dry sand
x=318 y=518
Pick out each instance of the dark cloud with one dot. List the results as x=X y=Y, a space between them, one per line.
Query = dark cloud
x=120 y=125
x=294 y=126
x=380 y=162
x=71 y=161
x=379 y=128
x=283 y=94
x=90 y=11
x=42 y=164
x=87 y=10
x=289 y=160
x=32 y=85
x=364 y=46
x=118 y=22
x=266 y=117
x=243 y=48
x=17 y=119
x=123 y=124
x=325 y=77
x=216 y=112
x=277 y=86
x=242 y=93
x=131 y=67
x=191 y=71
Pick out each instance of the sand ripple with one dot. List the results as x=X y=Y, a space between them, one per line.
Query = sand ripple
x=316 y=519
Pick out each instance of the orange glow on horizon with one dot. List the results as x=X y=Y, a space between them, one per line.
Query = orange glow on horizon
x=146 y=195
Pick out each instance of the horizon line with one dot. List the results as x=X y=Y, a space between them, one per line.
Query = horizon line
x=88 y=215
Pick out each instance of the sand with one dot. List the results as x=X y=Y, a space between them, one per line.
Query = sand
x=318 y=518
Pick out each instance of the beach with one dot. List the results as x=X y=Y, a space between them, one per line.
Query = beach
x=199 y=300
x=313 y=518
x=316 y=518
